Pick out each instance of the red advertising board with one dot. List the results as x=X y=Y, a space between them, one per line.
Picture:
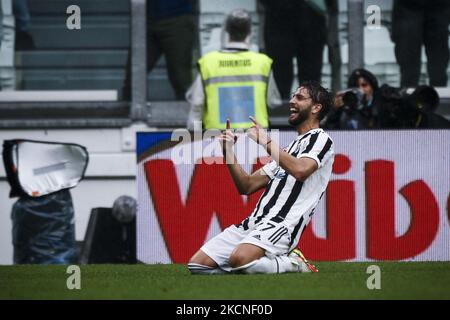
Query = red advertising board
x=387 y=199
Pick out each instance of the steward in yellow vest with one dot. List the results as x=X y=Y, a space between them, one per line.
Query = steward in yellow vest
x=233 y=83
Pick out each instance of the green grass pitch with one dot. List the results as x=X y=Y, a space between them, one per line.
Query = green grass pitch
x=335 y=280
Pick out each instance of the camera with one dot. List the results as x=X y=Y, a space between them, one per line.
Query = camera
x=403 y=110
x=349 y=114
x=353 y=99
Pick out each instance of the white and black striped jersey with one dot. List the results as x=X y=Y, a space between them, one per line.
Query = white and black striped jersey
x=288 y=200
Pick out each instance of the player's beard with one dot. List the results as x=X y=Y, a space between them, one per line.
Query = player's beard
x=300 y=117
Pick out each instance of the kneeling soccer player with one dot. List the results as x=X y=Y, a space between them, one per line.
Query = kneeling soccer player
x=294 y=182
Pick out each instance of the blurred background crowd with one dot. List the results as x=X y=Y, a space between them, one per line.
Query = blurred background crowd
x=405 y=53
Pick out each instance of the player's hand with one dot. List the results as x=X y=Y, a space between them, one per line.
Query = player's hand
x=338 y=99
x=227 y=139
x=257 y=133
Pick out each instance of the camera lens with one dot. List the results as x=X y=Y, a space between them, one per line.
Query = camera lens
x=350 y=99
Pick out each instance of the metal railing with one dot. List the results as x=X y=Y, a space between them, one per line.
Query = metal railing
x=139 y=109
x=355 y=34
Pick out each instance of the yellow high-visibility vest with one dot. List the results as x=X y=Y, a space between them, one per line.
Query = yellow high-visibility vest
x=235 y=87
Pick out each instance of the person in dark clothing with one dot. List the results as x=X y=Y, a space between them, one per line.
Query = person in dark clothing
x=358 y=106
x=24 y=40
x=367 y=83
x=170 y=31
x=293 y=28
x=425 y=100
x=400 y=110
x=417 y=22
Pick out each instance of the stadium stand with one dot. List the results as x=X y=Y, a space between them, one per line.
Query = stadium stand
x=91 y=58
x=95 y=56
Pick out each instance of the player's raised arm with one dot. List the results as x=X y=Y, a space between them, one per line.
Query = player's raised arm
x=245 y=183
x=299 y=168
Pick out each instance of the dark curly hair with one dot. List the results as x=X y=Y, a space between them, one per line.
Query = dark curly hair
x=366 y=75
x=319 y=95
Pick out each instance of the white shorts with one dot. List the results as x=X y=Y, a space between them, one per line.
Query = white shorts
x=274 y=238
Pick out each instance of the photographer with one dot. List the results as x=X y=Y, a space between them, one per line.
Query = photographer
x=401 y=110
x=426 y=100
x=357 y=107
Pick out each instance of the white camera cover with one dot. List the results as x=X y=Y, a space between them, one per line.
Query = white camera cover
x=46 y=167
